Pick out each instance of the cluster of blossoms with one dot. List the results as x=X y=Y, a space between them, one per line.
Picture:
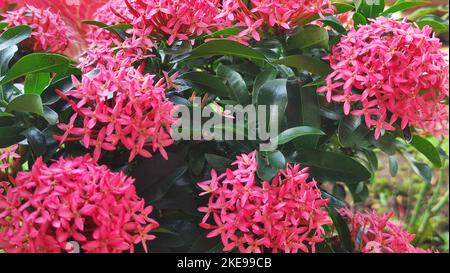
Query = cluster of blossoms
x=73 y=202
x=283 y=14
x=73 y=11
x=286 y=214
x=187 y=19
x=122 y=106
x=8 y=156
x=377 y=234
x=50 y=32
x=391 y=71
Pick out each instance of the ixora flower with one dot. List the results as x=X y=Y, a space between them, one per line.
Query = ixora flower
x=284 y=14
x=286 y=214
x=391 y=71
x=121 y=106
x=377 y=234
x=50 y=32
x=73 y=201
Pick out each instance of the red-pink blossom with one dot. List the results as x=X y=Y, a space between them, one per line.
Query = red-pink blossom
x=283 y=14
x=374 y=233
x=124 y=107
x=391 y=71
x=50 y=32
x=7 y=157
x=73 y=200
x=286 y=214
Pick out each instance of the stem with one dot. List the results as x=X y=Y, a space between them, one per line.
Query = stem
x=440 y=204
x=419 y=203
x=433 y=200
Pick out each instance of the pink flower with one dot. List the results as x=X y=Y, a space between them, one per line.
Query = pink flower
x=72 y=200
x=7 y=157
x=50 y=32
x=389 y=72
x=287 y=214
x=377 y=234
x=284 y=14
x=124 y=107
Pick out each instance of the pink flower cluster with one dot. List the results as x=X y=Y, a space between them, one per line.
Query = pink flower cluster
x=391 y=71
x=123 y=106
x=286 y=214
x=377 y=234
x=7 y=156
x=281 y=14
x=50 y=32
x=73 y=202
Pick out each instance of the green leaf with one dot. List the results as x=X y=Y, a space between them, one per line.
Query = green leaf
x=36 y=63
x=36 y=83
x=14 y=35
x=227 y=32
x=386 y=143
x=335 y=202
x=359 y=19
x=333 y=22
x=303 y=110
x=306 y=63
x=273 y=92
x=370 y=8
x=238 y=88
x=207 y=83
x=6 y=56
x=270 y=164
x=421 y=169
x=330 y=166
x=352 y=133
x=95 y=23
x=219 y=163
x=36 y=140
x=436 y=23
x=225 y=47
x=401 y=5
x=263 y=77
x=393 y=165
x=29 y=103
x=342 y=7
x=309 y=37
x=293 y=133
x=342 y=229
x=10 y=136
x=428 y=150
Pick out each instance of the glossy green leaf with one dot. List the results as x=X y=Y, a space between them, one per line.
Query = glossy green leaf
x=29 y=103
x=386 y=143
x=342 y=229
x=237 y=87
x=207 y=83
x=36 y=63
x=225 y=47
x=265 y=76
x=293 y=133
x=359 y=19
x=36 y=83
x=272 y=93
x=428 y=150
x=393 y=165
x=352 y=132
x=333 y=22
x=10 y=135
x=421 y=169
x=331 y=166
x=219 y=163
x=6 y=56
x=400 y=6
x=36 y=140
x=14 y=35
x=309 y=37
x=270 y=164
x=306 y=63
x=370 y=8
